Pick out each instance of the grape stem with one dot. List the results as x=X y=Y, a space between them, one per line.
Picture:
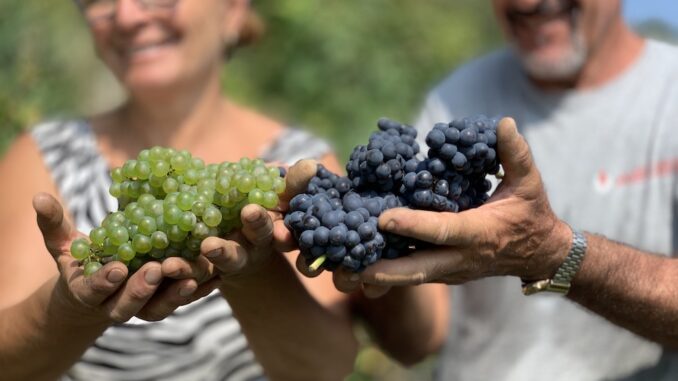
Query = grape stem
x=317 y=263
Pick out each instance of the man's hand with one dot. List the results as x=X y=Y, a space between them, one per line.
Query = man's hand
x=514 y=233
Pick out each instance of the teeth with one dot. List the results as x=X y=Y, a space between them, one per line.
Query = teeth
x=147 y=47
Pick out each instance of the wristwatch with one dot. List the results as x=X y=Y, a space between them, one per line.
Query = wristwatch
x=560 y=283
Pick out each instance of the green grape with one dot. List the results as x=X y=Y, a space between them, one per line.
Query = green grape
x=256 y=196
x=160 y=223
x=258 y=171
x=111 y=225
x=141 y=243
x=187 y=221
x=118 y=235
x=92 y=267
x=245 y=163
x=172 y=214
x=144 y=155
x=132 y=229
x=160 y=168
x=156 y=181
x=145 y=199
x=80 y=249
x=175 y=234
x=223 y=184
x=157 y=153
x=189 y=254
x=185 y=200
x=205 y=195
x=274 y=172
x=200 y=230
x=213 y=169
x=191 y=176
x=98 y=235
x=157 y=253
x=137 y=214
x=126 y=252
x=198 y=163
x=207 y=184
x=185 y=188
x=170 y=185
x=170 y=199
x=270 y=200
x=211 y=216
x=214 y=232
x=155 y=208
x=128 y=169
x=129 y=208
x=142 y=170
x=159 y=240
x=118 y=217
x=109 y=247
x=198 y=208
x=278 y=185
x=229 y=213
x=246 y=183
x=264 y=182
x=134 y=189
x=147 y=225
x=179 y=163
x=193 y=243
x=115 y=190
x=145 y=187
x=117 y=175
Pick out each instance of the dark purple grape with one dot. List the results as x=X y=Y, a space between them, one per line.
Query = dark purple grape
x=366 y=231
x=321 y=236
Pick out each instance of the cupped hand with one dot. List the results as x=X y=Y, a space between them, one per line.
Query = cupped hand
x=514 y=233
x=108 y=296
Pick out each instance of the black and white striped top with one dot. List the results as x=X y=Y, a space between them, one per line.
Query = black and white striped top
x=200 y=341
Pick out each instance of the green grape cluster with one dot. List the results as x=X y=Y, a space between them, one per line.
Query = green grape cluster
x=169 y=202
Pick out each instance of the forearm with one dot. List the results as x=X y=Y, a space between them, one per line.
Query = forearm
x=633 y=289
x=41 y=337
x=291 y=334
x=409 y=322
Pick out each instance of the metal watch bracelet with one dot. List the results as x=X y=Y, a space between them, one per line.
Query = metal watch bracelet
x=561 y=281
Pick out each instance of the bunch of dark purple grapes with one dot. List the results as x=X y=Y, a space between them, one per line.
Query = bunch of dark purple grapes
x=335 y=221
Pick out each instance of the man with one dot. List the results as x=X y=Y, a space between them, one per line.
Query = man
x=599 y=107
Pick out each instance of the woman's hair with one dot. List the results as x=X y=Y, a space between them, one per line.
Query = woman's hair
x=253 y=28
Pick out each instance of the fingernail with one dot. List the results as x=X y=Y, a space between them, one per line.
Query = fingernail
x=253 y=217
x=186 y=291
x=354 y=277
x=153 y=276
x=115 y=276
x=390 y=225
x=214 y=253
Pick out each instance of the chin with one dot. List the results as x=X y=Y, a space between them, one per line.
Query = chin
x=555 y=64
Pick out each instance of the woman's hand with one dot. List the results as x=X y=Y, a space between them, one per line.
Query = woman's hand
x=107 y=296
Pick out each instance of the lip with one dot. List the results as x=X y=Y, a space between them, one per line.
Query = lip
x=147 y=49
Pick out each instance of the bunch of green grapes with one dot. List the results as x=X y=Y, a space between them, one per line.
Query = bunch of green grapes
x=169 y=202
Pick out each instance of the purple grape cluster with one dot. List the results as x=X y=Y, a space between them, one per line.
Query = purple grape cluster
x=380 y=165
x=336 y=221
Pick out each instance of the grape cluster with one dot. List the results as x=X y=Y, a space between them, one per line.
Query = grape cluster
x=335 y=221
x=169 y=201
x=380 y=165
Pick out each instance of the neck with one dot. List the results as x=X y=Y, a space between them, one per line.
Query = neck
x=609 y=58
x=174 y=118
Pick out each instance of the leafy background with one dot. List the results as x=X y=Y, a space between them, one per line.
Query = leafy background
x=332 y=66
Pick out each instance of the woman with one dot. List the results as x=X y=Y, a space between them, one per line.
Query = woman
x=168 y=56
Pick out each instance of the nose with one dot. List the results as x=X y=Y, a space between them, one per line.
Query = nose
x=129 y=14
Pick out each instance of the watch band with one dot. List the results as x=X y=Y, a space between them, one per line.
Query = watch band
x=561 y=281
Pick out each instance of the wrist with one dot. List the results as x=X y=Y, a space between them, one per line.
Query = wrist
x=550 y=254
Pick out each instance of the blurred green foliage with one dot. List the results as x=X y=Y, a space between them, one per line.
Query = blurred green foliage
x=336 y=66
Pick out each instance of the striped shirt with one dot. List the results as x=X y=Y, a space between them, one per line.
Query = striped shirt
x=199 y=341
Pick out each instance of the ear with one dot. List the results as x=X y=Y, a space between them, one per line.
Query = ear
x=235 y=14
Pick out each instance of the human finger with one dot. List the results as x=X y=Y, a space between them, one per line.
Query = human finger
x=134 y=294
x=227 y=256
x=199 y=269
x=434 y=227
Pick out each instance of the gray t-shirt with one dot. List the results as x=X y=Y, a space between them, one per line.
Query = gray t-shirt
x=609 y=160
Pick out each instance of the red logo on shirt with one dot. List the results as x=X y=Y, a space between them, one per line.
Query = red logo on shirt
x=604 y=182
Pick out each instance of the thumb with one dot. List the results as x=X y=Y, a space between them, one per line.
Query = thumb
x=56 y=230
x=513 y=151
x=297 y=179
